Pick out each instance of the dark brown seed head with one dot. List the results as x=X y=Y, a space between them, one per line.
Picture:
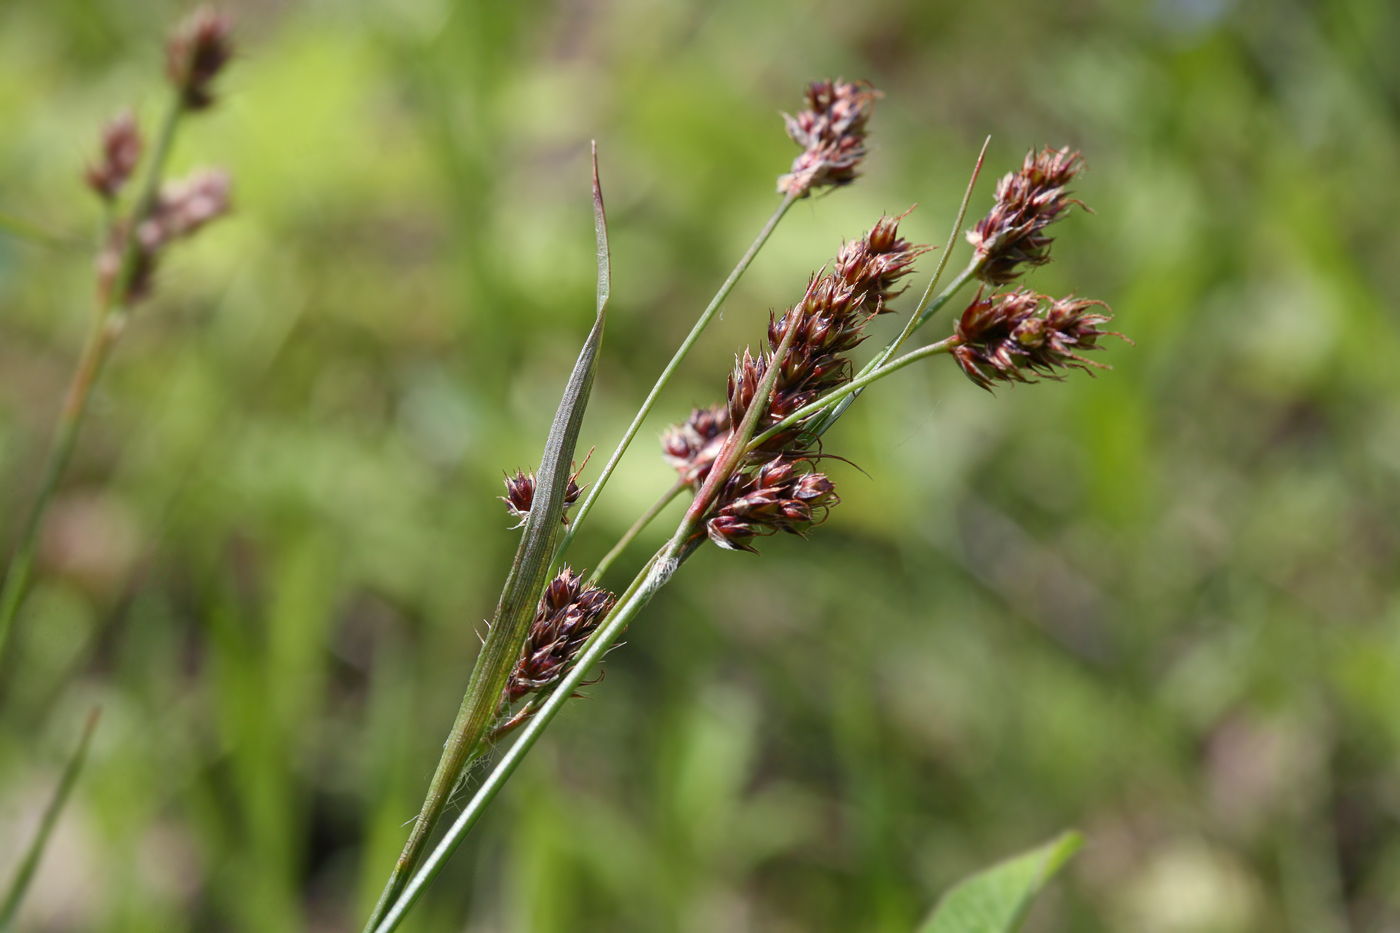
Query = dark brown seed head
x=776 y=496
x=198 y=50
x=121 y=150
x=691 y=447
x=520 y=494
x=180 y=209
x=568 y=613
x=831 y=132
x=183 y=206
x=1018 y=336
x=830 y=321
x=1012 y=235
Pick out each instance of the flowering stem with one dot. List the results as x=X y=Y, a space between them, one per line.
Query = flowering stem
x=586 y=506
x=109 y=317
x=637 y=528
x=839 y=393
x=923 y=311
x=652 y=577
x=656 y=574
x=731 y=455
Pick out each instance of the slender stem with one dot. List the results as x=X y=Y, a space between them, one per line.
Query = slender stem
x=732 y=454
x=109 y=318
x=644 y=586
x=636 y=529
x=854 y=386
x=30 y=862
x=668 y=372
x=922 y=312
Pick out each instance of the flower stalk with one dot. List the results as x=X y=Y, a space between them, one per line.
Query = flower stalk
x=126 y=263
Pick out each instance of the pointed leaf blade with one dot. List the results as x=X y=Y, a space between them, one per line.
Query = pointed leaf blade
x=996 y=900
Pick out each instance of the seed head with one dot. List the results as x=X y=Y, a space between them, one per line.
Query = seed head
x=183 y=206
x=568 y=613
x=831 y=132
x=830 y=321
x=1012 y=234
x=691 y=447
x=121 y=151
x=197 y=51
x=180 y=209
x=1019 y=336
x=774 y=497
x=520 y=494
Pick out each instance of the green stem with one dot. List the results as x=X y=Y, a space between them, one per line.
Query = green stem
x=655 y=575
x=667 y=373
x=921 y=313
x=637 y=528
x=108 y=320
x=30 y=863
x=854 y=386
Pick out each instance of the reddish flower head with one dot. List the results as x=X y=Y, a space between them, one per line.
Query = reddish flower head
x=1012 y=234
x=831 y=132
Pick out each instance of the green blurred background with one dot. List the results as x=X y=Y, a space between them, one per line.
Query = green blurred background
x=1160 y=605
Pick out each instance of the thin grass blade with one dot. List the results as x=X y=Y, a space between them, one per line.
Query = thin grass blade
x=520 y=595
x=29 y=864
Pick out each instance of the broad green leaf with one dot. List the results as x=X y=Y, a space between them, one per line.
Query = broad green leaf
x=996 y=900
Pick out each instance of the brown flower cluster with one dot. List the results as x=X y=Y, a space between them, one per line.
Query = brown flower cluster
x=1012 y=234
x=197 y=51
x=520 y=494
x=121 y=151
x=1018 y=336
x=827 y=323
x=831 y=132
x=830 y=321
x=180 y=209
x=569 y=612
x=691 y=447
x=777 y=496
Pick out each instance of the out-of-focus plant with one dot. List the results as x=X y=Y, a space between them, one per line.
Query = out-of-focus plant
x=751 y=464
x=138 y=228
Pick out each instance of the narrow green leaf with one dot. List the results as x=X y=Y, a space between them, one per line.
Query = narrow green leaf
x=600 y=226
x=30 y=862
x=521 y=593
x=996 y=900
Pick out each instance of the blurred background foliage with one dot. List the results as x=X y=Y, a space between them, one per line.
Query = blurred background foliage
x=1159 y=605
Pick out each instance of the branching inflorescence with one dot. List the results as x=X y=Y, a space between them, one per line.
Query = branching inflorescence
x=136 y=236
x=750 y=463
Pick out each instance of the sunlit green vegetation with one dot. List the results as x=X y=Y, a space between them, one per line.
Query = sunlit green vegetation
x=1158 y=606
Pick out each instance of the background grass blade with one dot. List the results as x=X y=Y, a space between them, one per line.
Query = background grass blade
x=30 y=863
x=996 y=900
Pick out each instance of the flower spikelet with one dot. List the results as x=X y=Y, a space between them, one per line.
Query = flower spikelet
x=121 y=150
x=831 y=132
x=181 y=208
x=520 y=494
x=691 y=447
x=1012 y=234
x=568 y=613
x=775 y=497
x=198 y=50
x=1018 y=336
x=830 y=321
